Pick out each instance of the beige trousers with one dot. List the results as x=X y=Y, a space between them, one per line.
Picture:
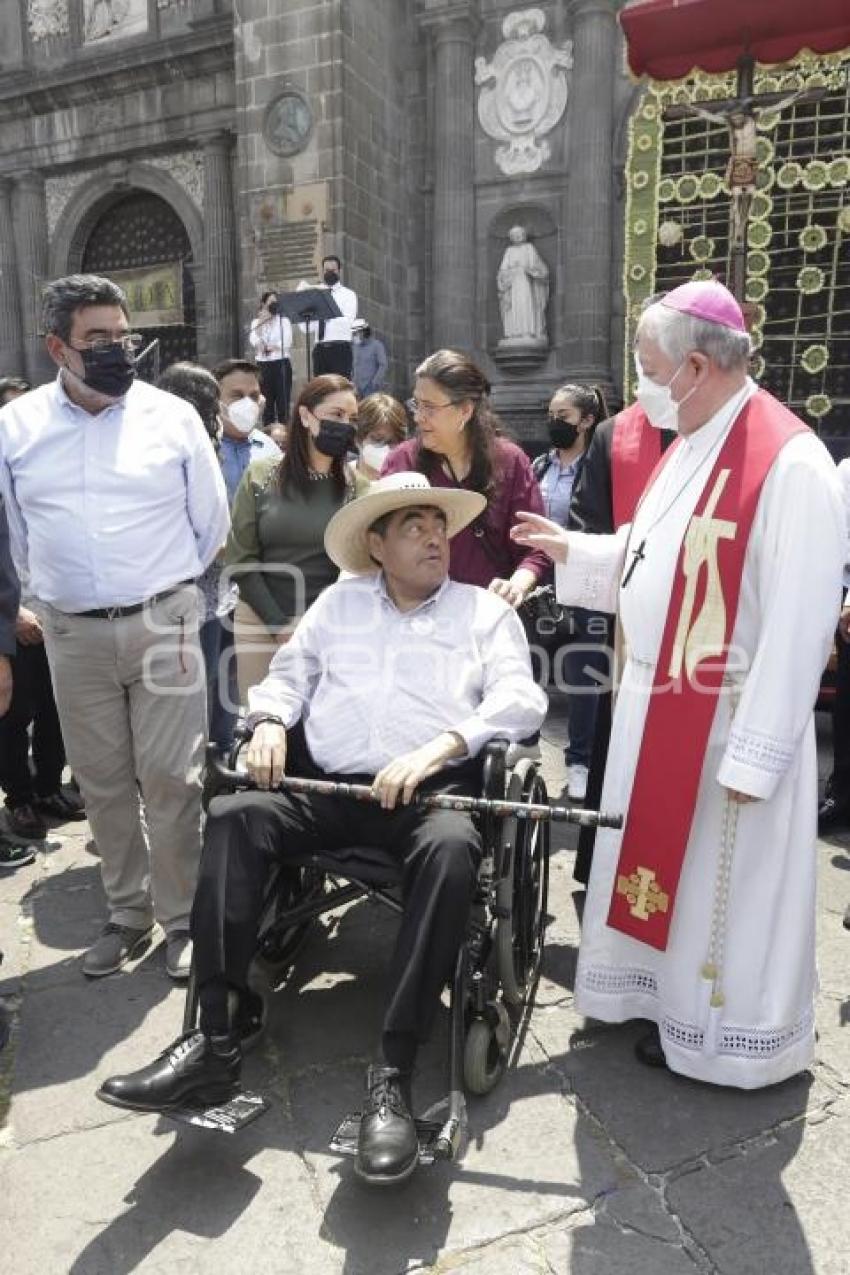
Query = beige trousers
x=131 y=694
x=255 y=646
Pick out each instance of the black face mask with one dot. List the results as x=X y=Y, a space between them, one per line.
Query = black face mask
x=272 y=307
x=110 y=371
x=334 y=437
x=562 y=433
x=330 y=277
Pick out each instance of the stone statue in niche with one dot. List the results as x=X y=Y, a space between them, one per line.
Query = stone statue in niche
x=523 y=286
x=523 y=91
x=113 y=19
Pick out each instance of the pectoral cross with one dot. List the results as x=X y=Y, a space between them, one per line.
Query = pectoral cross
x=638 y=555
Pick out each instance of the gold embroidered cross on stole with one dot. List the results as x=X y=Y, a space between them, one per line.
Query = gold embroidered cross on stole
x=706 y=636
x=643 y=893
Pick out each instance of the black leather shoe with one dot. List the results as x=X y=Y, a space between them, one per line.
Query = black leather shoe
x=648 y=1049
x=833 y=813
x=64 y=806
x=196 y=1070
x=387 y=1148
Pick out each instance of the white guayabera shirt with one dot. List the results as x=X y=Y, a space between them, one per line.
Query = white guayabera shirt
x=373 y=682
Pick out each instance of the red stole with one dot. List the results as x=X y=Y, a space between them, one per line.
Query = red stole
x=635 y=451
x=689 y=673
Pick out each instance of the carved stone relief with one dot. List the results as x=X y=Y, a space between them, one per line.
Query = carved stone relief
x=58 y=191
x=46 y=18
x=523 y=91
x=187 y=169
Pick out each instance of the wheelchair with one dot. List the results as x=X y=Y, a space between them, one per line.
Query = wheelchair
x=498 y=963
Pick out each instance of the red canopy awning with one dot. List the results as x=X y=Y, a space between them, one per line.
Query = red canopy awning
x=669 y=38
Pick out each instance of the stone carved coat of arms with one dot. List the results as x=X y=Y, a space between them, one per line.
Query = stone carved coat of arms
x=523 y=91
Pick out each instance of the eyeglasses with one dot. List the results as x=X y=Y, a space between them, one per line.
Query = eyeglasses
x=416 y=408
x=130 y=343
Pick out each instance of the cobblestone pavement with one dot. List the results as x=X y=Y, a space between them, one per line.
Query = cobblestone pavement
x=581 y=1161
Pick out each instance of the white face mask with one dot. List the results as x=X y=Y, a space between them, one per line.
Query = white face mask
x=657 y=401
x=374 y=454
x=243 y=415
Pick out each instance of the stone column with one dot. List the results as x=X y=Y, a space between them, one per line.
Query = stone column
x=31 y=241
x=221 y=301
x=453 y=319
x=588 y=226
x=11 y=332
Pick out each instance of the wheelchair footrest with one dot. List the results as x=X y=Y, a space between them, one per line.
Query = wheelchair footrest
x=226 y=1117
x=344 y=1141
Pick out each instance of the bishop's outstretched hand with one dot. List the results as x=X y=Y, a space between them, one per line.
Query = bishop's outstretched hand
x=537 y=532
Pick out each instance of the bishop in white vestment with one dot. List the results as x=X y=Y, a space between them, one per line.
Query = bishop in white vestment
x=732 y=993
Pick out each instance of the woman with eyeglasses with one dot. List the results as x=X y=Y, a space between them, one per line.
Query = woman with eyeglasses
x=458 y=444
x=276 y=545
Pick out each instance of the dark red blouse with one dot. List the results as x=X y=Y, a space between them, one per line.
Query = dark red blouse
x=478 y=558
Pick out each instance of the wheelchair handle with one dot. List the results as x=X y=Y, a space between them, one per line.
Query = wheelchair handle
x=533 y=812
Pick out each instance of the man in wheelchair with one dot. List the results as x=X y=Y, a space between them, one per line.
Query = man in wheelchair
x=400 y=677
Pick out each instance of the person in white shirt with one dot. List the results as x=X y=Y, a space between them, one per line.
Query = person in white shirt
x=271 y=340
x=332 y=351
x=401 y=676
x=116 y=504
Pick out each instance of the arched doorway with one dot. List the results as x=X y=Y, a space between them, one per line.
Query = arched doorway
x=137 y=232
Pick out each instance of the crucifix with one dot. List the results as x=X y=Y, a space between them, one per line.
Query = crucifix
x=740 y=115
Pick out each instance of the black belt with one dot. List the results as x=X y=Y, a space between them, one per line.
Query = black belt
x=133 y=608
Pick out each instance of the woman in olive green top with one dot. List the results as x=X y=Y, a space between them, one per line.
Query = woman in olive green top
x=276 y=545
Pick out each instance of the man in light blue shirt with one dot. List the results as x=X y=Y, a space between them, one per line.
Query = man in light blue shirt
x=116 y=504
x=241 y=407
x=241 y=412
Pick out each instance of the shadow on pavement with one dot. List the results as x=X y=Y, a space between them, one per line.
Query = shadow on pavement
x=189 y=1189
x=324 y=1027
x=724 y=1153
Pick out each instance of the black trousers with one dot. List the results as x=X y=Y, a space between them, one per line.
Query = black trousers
x=247 y=834
x=595 y=778
x=333 y=356
x=276 y=384
x=32 y=705
x=839 y=783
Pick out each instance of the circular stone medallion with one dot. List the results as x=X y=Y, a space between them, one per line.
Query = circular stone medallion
x=288 y=123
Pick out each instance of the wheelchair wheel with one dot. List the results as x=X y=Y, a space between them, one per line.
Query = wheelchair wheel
x=484 y=1056
x=523 y=890
x=280 y=943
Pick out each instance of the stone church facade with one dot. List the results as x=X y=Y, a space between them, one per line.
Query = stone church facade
x=204 y=150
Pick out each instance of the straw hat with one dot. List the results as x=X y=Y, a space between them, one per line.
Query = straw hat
x=346 y=541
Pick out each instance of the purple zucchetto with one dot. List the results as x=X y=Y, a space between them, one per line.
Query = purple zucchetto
x=709 y=300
